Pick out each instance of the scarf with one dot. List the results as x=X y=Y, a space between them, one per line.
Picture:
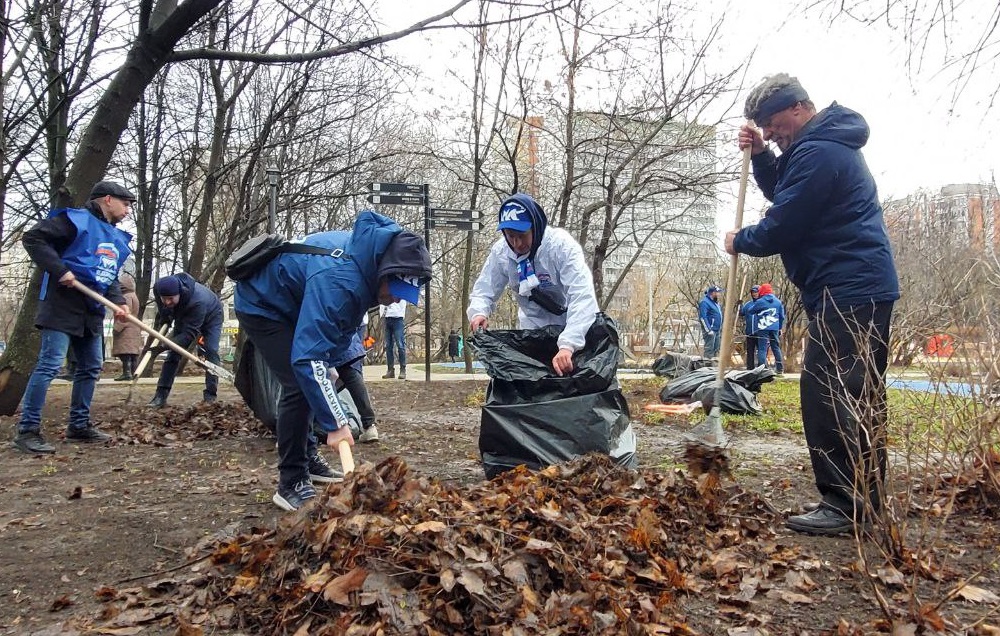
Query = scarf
x=526 y=276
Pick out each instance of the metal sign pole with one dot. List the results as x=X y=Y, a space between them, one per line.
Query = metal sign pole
x=272 y=208
x=427 y=289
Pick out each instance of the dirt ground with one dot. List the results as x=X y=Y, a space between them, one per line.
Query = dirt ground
x=122 y=514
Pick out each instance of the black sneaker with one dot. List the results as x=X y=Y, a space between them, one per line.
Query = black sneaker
x=125 y=377
x=821 y=521
x=89 y=435
x=294 y=497
x=158 y=402
x=33 y=443
x=320 y=471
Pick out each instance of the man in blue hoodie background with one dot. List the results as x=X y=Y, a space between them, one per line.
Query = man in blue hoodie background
x=826 y=223
x=710 y=318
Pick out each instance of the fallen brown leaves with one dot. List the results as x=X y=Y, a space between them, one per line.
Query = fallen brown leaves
x=170 y=426
x=583 y=547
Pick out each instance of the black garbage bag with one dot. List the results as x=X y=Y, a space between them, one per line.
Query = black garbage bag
x=260 y=389
x=738 y=394
x=673 y=364
x=536 y=418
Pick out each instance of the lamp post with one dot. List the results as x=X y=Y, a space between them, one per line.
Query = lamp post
x=273 y=175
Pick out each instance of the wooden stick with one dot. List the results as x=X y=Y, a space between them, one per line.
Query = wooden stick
x=346 y=457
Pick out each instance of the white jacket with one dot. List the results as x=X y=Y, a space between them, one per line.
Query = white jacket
x=561 y=268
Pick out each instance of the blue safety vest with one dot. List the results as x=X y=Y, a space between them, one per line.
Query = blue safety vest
x=95 y=256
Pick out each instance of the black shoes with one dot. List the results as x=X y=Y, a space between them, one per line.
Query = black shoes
x=823 y=521
x=125 y=377
x=33 y=443
x=402 y=374
x=159 y=401
x=320 y=471
x=389 y=375
x=89 y=435
x=295 y=496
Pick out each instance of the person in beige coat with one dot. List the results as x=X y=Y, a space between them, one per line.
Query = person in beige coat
x=127 y=341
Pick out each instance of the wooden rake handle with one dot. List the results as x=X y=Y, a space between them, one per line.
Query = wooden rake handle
x=346 y=456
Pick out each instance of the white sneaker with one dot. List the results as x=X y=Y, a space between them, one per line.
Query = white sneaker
x=370 y=434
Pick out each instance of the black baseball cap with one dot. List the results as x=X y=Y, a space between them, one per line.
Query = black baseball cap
x=105 y=188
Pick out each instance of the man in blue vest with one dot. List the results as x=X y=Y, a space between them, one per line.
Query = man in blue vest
x=194 y=310
x=710 y=318
x=74 y=245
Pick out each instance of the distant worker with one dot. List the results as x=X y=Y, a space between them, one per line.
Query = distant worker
x=454 y=340
x=769 y=321
x=749 y=339
x=394 y=321
x=710 y=319
x=127 y=341
x=195 y=311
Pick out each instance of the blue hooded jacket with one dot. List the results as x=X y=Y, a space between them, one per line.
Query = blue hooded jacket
x=826 y=220
x=709 y=314
x=325 y=298
x=768 y=314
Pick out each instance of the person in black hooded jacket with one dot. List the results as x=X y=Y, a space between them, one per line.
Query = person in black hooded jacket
x=195 y=311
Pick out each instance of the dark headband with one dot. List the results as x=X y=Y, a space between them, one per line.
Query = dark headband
x=780 y=100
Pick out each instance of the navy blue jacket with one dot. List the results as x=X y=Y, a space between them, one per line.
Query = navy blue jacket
x=325 y=298
x=745 y=311
x=197 y=311
x=709 y=314
x=826 y=220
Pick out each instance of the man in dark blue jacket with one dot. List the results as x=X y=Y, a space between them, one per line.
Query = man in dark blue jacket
x=301 y=311
x=826 y=223
x=195 y=311
x=769 y=319
x=74 y=245
x=749 y=339
x=710 y=319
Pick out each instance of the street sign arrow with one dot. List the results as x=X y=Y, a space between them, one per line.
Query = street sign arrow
x=454 y=213
x=396 y=187
x=456 y=224
x=396 y=199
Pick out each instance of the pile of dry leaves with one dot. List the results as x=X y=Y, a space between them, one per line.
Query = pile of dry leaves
x=584 y=547
x=168 y=426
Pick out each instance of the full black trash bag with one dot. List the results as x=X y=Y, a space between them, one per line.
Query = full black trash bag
x=261 y=390
x=536 y=418
x=738 y=394
x=673 y=364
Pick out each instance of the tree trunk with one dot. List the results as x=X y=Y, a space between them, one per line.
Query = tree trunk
x=19 y=359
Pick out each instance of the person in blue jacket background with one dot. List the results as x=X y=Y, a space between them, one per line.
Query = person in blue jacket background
x=302 y=311
x=826 y=222
x=769 y=319
x=710 y=319
x=195 y=311
x=74 y=245
x=749 y=339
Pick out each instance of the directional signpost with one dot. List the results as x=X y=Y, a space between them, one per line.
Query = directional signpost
x=396 y=199
x=455 y=224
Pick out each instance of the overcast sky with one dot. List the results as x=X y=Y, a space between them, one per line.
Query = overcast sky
x=920 y=136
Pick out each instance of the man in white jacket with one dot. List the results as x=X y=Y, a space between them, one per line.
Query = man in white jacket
x=546 y=269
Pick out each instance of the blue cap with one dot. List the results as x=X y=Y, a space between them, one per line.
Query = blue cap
x=406 y=288
x=714 y=288
x=513 y=216
x=167 y=286
x=755 y=289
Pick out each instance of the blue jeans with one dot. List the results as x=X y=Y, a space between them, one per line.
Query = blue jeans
x=395 y=337
x=89 y=358
x=712 y=343
x=769 y=338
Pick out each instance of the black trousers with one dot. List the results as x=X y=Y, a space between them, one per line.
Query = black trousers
x=844 y=403
x=354 y=382
x=274 y=342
